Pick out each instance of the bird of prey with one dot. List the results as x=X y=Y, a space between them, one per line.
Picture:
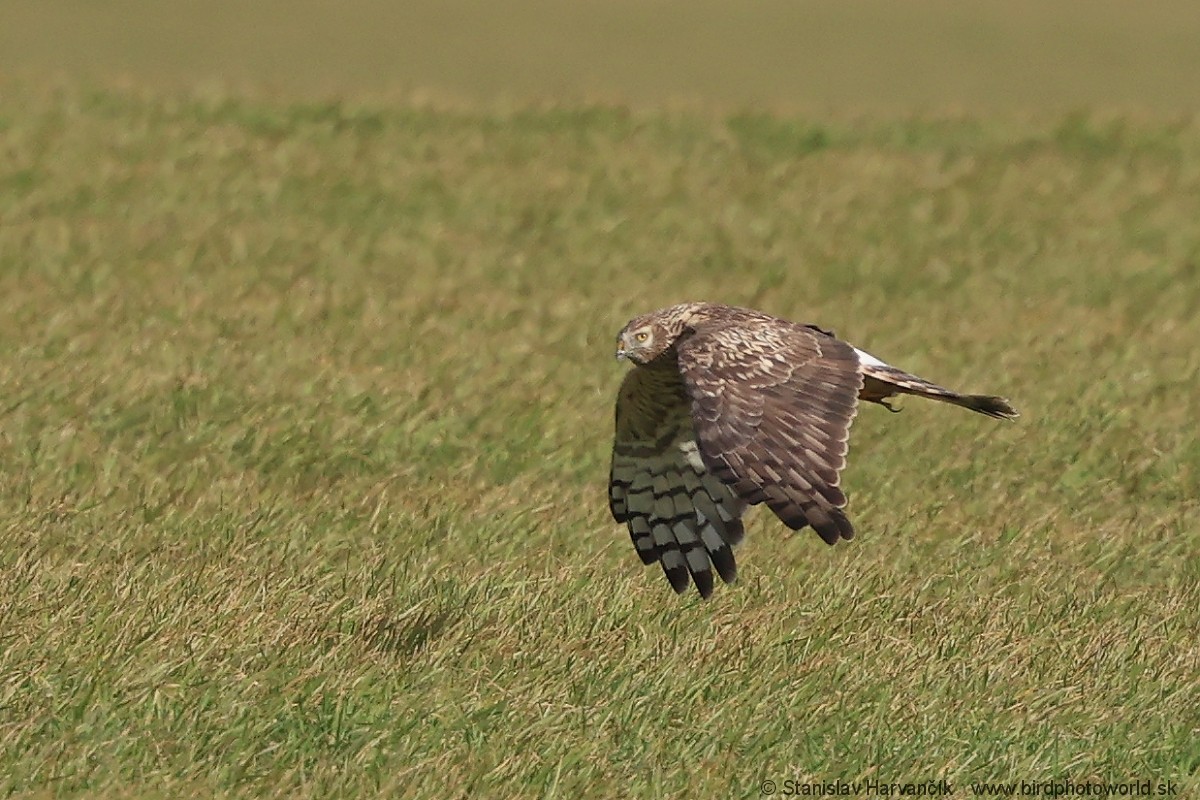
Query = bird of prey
x=728 y=407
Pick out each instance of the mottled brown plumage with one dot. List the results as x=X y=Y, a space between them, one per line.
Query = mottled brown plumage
x=728 y=407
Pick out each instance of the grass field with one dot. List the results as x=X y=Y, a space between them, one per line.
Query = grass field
x=305 y=430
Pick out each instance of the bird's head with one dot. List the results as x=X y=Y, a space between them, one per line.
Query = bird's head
x=646 y=338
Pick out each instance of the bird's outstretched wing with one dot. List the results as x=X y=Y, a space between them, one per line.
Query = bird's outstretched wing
x=771 y=405
x=678 y=513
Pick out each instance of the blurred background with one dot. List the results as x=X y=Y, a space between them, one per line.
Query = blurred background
x=876 y=55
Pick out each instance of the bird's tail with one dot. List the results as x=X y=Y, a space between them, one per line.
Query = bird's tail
x=881 y=381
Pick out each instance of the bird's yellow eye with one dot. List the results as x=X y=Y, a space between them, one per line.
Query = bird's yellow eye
x=641 y=337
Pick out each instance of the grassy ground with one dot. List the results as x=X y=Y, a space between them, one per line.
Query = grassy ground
x=305 y=428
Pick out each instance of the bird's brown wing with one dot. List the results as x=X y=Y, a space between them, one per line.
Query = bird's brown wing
x=677 y=512
x=772 y=404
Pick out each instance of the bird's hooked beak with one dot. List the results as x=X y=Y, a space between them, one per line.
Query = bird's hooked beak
x=622 y=353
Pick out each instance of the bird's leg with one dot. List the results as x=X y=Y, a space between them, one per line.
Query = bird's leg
x=889 y=406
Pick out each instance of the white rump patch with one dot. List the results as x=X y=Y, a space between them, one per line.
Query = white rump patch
x=869 y=360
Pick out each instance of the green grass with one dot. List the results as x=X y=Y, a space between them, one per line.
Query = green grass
x=306 y=421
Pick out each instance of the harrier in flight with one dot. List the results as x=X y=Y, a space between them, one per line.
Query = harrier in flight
x=726 y=408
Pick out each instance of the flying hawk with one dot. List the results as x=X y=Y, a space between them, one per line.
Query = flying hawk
x=728 y=407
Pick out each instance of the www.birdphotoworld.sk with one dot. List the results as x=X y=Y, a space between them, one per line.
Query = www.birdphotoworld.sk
x=307 y=427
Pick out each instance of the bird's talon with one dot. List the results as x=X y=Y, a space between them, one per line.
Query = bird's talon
x=890 y=407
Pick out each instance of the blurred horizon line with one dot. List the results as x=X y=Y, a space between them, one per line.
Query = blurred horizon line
x=868 y=57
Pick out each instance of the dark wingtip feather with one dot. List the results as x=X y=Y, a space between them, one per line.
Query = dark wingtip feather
x=648 y=557
x=995 y=407
x=724 y=561
x=830 y=524
x=678 y=577
x=844 y=525
x=828 y=533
